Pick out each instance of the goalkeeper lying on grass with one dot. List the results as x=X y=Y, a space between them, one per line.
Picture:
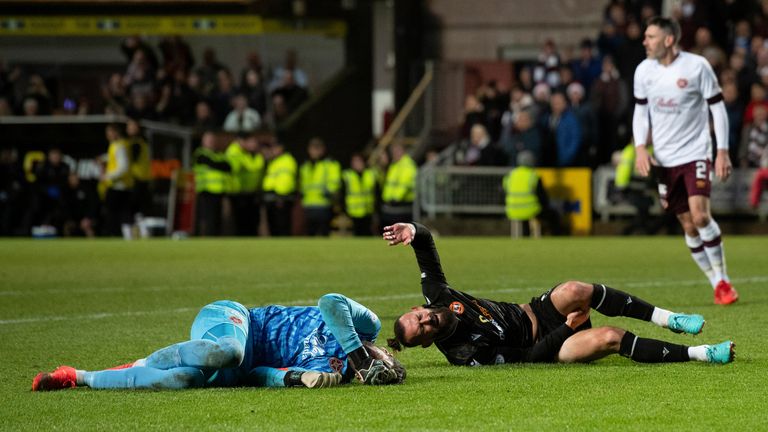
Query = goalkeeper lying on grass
x=273 y=346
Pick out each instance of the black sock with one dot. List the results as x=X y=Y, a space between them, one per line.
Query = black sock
x=651 y=350
x=612 y=302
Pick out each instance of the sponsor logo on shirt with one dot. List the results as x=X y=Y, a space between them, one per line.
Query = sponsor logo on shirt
x=457 y=308
x=314 y=345
x=701 y=184
x=235 y=319
x=666 y=106
x=682 y=82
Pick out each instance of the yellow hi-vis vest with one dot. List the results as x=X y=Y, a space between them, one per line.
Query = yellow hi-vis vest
x=247 y=169
x=626 y=166
x=360 y=190
x=281 y=175
x=520 y=185
x=400 y=181
x=125 y=181
x=319 y=181
x=138 y=151
x=207 y=178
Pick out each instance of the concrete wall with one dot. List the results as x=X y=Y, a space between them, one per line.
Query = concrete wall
x=484 y=29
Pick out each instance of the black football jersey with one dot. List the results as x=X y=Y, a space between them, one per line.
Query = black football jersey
x=488 y=332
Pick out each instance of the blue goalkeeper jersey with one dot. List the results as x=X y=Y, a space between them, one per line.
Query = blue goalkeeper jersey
x=295 y=337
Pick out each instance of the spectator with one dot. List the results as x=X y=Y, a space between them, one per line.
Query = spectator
x=745 y=76
x=132 y=44
x=754 y=139
x=242 y=118
x=630 y=54
x=177 y=55
x=546 y=69
x=222 y=95
x=37 y=90
x=52 y=181
x=480 y=150
x=204 y=117
x=474 y=113
x=519 y=100
x=494 y=103
x=587 y=68
x=178 y=100
x=138 y=150
x=757 y=97
x=253 y=88
x=522 y=135
x=279 y=110
x=140 y=107
x=209 y=71
x=525 y=79
x=293 y=94
x=610 y=100
x=584 y=112
x=139 y=76
x=299 y=77
x=114 y=94
x=735 y=110
x=563 y=132
x=704 y=47
x=30 y=107
x=83 y=208
x=11 y=182
x=253 y=64
x=609 y=39
x=5 y=107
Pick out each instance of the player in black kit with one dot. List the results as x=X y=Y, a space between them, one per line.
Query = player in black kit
x=553 y=327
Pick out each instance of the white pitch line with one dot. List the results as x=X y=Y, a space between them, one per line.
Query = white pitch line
x=106 y=315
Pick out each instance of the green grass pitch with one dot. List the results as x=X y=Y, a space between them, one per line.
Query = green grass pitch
x=95 y=304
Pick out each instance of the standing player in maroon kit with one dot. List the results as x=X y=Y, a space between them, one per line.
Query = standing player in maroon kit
x=675 y=91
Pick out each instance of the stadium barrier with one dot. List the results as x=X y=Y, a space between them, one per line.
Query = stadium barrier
x=729 y=198
x=451 y=190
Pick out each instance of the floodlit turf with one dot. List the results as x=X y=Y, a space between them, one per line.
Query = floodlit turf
x=95 y=304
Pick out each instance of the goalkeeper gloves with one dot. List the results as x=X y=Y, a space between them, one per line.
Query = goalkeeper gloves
x=311 y=379
x=369 y=370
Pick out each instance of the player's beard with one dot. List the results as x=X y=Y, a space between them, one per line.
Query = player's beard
x=447 y=321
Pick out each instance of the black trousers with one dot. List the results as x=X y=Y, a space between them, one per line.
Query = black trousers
x=208 y=214
x=280 y=217
x=119 y=210
x=247 y=214
x=318 y=221
x=362 y=226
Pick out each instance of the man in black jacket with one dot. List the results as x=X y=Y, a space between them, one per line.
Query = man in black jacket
x=553 y=327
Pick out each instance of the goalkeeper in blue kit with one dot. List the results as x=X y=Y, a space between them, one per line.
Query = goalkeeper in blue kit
x=272 y=346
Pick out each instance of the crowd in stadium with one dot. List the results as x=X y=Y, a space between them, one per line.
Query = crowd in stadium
x=571 y=107
x=173 y=88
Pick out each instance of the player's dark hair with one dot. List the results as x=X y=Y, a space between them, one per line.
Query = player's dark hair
x=398 y=342
x=667 y=25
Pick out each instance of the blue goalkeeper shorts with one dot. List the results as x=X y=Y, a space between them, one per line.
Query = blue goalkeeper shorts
x=223 y=318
